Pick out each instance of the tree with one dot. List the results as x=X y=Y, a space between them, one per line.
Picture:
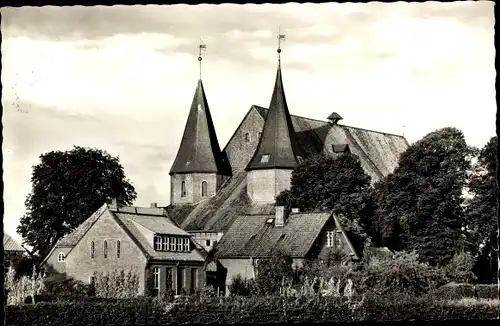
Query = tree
x=326 y=183
x=67 y=187
x=419 y=205
x=481 y=212
x=273 y=272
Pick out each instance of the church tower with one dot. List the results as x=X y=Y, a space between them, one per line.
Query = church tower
x=278 y=152
x=200 y=167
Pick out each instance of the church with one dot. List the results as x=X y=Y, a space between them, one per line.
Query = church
x=226 y=198
x=222 y=218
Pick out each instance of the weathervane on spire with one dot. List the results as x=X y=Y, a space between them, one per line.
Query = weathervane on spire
x=201 y=47
x=280 y=37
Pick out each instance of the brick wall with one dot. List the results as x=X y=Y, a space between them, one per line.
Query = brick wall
x=53 y=265
x=81 y=266
x=239 y=151
x=264 y=185
x=193 y=187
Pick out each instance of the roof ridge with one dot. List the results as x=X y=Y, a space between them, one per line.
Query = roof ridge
x=371 y=130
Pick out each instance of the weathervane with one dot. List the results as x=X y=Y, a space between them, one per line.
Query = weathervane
x=280 y=37
x=203 y=47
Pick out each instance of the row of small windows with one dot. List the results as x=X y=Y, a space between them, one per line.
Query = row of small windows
x=204 y=189
x=247 y=136
x=105 y=249
x=166 y=243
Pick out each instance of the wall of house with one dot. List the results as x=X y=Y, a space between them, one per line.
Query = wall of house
x=53 y=265
x=320 y=249
x=193 y=187
x=81 y=266
x=175 y=270
x=264 y=185
x=239 y=151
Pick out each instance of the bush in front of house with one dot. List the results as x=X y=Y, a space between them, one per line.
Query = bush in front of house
x=457 y=291
x=255 y=309
x=119 y=284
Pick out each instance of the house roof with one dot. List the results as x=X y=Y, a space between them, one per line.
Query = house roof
x=153 y=219
x=9 y=244
x=278 y=140
x=127 y=221
x=252 y=236
x=199 y=151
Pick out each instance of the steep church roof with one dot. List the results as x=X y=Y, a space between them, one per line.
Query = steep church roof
x=278 y=146
x=199 y=151
x=377 y=151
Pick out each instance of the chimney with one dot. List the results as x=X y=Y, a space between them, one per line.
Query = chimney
x=154 y=205
x=295 y=210
x=280 y=217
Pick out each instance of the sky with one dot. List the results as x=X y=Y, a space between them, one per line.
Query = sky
x=122 y=78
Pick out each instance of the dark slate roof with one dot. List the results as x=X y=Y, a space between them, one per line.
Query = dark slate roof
x=334 y=116
x=199 y=151
x=9 y=244
x=251 y=236
x=278 y=138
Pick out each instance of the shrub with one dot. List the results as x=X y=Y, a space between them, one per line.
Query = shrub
x=116 y=284
x=69 y=289
x=487 y=291
x=459 y=269
x=22 y=287
x=256 y=309
x=273 y=272
x=456 y=291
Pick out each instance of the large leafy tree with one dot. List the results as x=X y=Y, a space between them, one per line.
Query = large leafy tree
x=67 y=187
x=420 y=203
x=481 y=219
x=338 y=184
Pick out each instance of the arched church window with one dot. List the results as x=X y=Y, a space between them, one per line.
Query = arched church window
x=183 y=189
x=204 y=186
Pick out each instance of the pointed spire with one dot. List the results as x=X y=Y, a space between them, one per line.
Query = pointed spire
x=199 y=151
x=278 y=146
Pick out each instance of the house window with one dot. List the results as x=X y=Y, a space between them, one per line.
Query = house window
x=61 y=257
x=330 y=238
x=92 y=280
x=204 y=189
x=265 y=158
x=118 y=244
x=156 y=278
x=92 y=250
x=158 y=243
x=170 y=279
x=105 y=251
x=166 y=243
x=183 y=189
x=185 y=244
x=247 y=137
x=172 y=244
x=207 y=243
x=179 y=244
x=194 y=278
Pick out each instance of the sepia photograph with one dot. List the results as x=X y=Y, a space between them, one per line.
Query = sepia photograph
x=252 y=163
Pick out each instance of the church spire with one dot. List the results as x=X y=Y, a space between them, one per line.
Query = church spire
x=199 y=151
x=278 y=146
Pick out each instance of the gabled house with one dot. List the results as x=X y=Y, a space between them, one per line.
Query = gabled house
x=142 y=239
x=298 y=235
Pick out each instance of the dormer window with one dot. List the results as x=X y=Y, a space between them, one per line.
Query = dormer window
x=259 y=134
x=265 y=158
x=171 y=243
x=183 y=189
x=61 y=257
x=247 y=137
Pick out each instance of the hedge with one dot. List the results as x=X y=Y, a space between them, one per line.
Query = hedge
x=244 y=310
x=464 y=290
